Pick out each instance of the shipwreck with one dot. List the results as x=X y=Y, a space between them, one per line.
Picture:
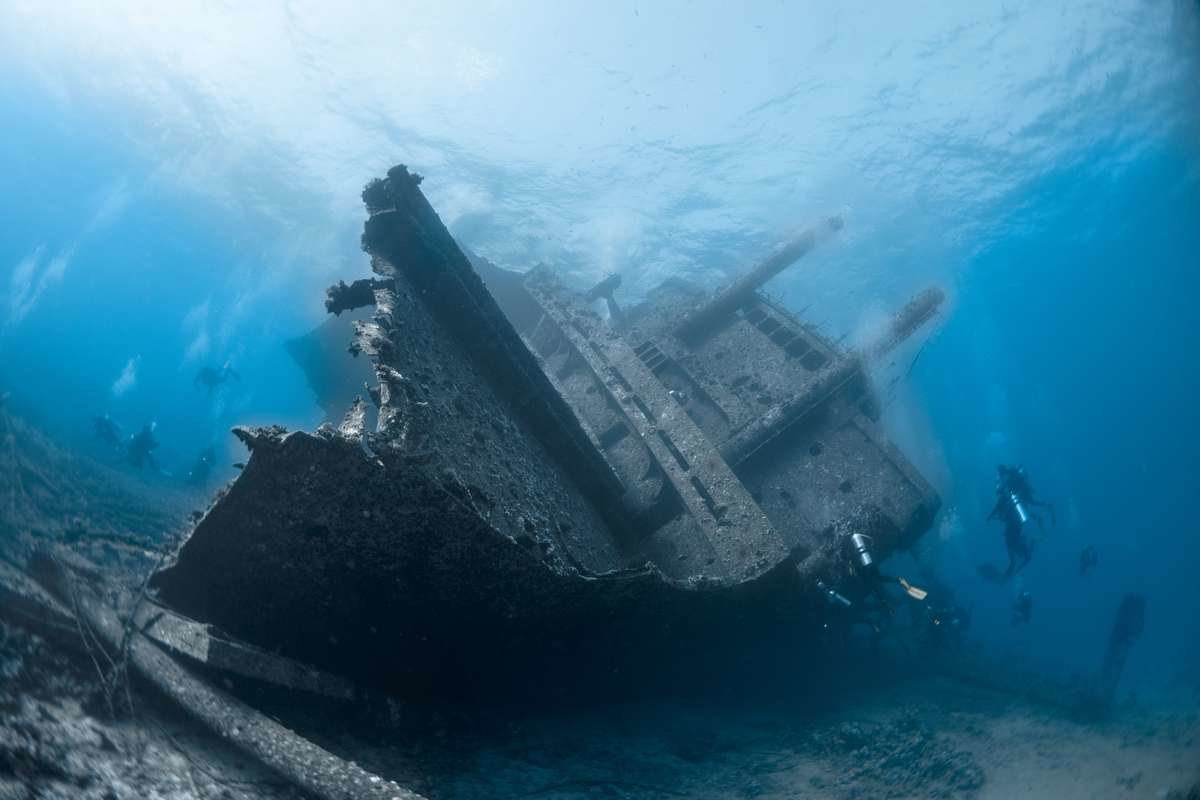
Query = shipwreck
x=527 y=504
x=533 y=498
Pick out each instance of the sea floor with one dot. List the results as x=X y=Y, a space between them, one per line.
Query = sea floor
x=60 y=739
x=927 y=737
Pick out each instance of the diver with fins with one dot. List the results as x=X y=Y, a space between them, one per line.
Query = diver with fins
x=201 y=470
x=946 y=625
x=941 y=622
x=107 y=431
x=1022 y=610
x=211 y=377
x=141 y=446
x=871 y=605
x=1014 y=503
x=1088 y=559
x=866 y=568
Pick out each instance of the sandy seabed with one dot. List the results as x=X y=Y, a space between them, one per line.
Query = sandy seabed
x=927 y=737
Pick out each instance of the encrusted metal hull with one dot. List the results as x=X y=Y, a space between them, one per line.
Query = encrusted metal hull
x=547 y=502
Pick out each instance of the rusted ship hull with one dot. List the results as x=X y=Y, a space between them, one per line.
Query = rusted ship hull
x=533 y=514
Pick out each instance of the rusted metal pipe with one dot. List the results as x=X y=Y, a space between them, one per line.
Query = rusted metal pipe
x=731 y=297
x=907 y=320
x=762 y=429
x=294 y=758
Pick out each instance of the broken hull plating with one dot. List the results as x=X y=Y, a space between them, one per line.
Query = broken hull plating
x=398 y=583
x=482 y=543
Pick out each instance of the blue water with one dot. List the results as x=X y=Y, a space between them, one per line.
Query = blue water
x=180 y=186
x=1075 y=356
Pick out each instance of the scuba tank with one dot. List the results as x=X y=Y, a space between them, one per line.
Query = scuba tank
x=861 y=546
x=833 y=597
x=1018 y=507
x=1011 y=480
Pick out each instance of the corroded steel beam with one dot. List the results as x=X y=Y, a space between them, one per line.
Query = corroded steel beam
x=294 y=758
x=733 y=296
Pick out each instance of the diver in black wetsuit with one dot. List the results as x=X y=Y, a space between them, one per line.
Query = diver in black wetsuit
x=1014 y=501
x=1022 y=611
x=211 y=377
x=946 y=625
x=140 y=449
x=1088 y=559
x=107 y=431
x=873 y=606
x=1013 y=484
x=198 y=474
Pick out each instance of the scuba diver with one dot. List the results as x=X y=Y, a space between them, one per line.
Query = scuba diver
x=942 y=622
x=946 y=625
x=872 y=606
x=1022 y=611
x=868 y=570
x=839 y=616
x=1013 y=484
x=198 y=474
x=211 y=377
x=1088 y=559
x=1014 y=501
x=141 y=446
x=107 y=431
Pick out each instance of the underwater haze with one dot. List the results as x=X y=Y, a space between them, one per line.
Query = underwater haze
x=182 y=181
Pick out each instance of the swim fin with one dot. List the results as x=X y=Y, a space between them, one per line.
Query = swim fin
x=915 y=592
